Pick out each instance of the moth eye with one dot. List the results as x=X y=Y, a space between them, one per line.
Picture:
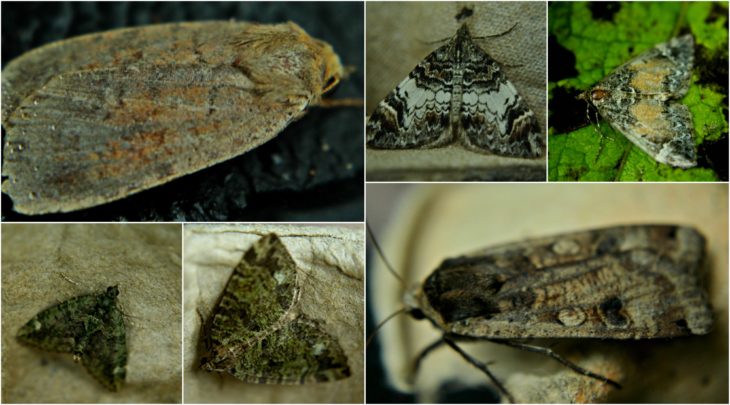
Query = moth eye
x=682 y=324
x=599 y=94
x=417 y=314
x=331 y=82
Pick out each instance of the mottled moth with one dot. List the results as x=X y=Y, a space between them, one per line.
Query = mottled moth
x=623 y=282
x=96 y=118
x=641 y=100
x=91 y=327
x=258 y=332
x=457 y=94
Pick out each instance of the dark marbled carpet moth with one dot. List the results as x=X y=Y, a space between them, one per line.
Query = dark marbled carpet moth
x=622 y=282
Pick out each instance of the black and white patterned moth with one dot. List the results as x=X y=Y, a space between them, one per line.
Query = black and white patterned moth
x=457 y=94
x=623 y=282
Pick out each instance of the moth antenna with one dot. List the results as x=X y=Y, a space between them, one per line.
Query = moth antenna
x=380 y=325
x=498 y=35
x=65 y=277
x=339 y=103
x=382 y=256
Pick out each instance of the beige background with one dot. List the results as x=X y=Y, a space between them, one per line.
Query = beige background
x=399 y=35
x=432 y=223
x=143 y=260
x=331 y=255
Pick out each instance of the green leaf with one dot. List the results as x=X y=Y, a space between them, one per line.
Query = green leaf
x=600 y=45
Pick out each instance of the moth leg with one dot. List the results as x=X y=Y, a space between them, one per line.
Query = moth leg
x=425 y=352
x=481 y=366
x=548 y=352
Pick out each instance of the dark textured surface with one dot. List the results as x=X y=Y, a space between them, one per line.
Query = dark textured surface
x=311 y=171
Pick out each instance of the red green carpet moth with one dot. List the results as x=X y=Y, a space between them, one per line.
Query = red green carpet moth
x=623 y=282
x=256 y=332
x=96 y=118
x=90 y=327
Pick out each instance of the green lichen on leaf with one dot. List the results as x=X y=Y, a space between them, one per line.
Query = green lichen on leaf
x=602 y=44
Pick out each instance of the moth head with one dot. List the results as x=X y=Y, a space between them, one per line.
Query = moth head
x=332 y=70
x=412 y=303
x=594 y=95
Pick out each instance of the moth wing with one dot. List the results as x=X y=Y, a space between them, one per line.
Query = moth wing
x=622 y=282
x=105 y=353
x=259 y=293
x=416 y=113
x=57 y=328
x=300 y=352
x=494 y=117
x=662 y=129
x=93 y=136
x=662 y=70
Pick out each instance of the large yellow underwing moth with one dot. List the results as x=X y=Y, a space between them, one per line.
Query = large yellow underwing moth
x=98 y=117
x=623 y=282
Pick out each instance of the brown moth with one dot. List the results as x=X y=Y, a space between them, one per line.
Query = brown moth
x=623 y=282
x=96 y=118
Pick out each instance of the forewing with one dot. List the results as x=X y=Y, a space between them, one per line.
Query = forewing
x=90 y=137
x=662 y=71
x=493 y=117
x=416 y=113
x=299 y=352
x=261 y=290
x=105 y=352
x=59 y=327
x=660 y=128
x=623 y=282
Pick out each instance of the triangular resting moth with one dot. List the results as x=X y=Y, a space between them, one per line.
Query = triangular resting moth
x=91 y=327
x=256 y=332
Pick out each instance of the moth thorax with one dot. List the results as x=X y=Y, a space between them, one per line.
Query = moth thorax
x=599 y=94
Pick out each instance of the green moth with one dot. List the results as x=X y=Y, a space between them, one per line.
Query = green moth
x=91 y=327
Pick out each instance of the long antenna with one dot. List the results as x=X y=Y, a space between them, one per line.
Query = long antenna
x=382 y=256
x=380 y=325
x=393 y=272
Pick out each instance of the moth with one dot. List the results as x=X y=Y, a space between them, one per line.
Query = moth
x=258 y=332
x=91 y=327
x=457 y=94
x=96 y=118
x=640 y=99
x=622 y=282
